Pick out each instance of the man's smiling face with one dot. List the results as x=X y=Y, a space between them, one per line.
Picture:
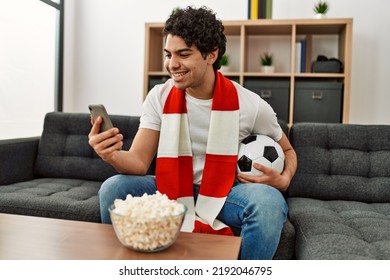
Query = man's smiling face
x=185 y=64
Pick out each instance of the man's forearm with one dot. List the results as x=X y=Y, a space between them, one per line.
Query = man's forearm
x=290 y=166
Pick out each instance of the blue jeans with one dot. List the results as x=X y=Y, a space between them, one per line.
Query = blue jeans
x=259 y=211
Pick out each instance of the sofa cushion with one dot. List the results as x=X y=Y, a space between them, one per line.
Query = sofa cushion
x=71 y=199
x=340 y=229
x=341 y=162
x=64 y=151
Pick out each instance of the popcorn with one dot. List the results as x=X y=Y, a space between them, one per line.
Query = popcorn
x=147 y=223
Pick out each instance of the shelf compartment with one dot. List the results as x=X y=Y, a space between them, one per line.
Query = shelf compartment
x=275 y=92
x=318 y=102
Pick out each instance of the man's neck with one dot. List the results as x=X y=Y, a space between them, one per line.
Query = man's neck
x=204 y=91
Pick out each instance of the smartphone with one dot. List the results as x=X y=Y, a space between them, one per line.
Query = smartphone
x=99 y=110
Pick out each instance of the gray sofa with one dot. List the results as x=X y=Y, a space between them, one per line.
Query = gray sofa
x=338 y=199
x=57 y=175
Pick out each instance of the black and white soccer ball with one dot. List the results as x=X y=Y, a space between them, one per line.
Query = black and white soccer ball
x=261 y=149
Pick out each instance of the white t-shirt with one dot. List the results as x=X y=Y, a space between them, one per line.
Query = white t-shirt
x=256 y=117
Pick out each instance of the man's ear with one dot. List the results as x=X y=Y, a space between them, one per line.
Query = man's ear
x=212 y=57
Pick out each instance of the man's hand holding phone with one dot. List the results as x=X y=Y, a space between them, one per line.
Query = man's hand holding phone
x=104 y=142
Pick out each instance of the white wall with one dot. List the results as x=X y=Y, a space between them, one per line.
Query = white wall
x=27 y=63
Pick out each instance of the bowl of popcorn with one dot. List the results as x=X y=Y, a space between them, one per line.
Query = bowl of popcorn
x=149 y=223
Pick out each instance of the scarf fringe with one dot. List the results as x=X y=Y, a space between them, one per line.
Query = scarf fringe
x=205 y=228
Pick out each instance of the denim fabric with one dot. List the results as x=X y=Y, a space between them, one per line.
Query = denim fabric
x=258 y=210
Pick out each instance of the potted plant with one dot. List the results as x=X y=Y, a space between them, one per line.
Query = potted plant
x=266 y=61
x=225 y=63
x=321 y=8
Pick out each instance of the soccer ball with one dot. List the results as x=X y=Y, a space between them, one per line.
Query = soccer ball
x=261 y=149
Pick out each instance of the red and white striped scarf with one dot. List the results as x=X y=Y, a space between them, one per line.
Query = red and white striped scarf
x=174 y=169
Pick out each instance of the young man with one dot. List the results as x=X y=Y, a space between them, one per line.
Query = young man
x=194 y=123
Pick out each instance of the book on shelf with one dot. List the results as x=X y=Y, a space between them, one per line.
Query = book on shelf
x=262 y=8
x=269 y=9
x=303 y=55
x=300 y=56
x=298 y=60
x=259 y=9
x=253 y=9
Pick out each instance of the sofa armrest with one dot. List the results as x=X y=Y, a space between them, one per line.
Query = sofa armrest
x=17 y=157
x=283 y=124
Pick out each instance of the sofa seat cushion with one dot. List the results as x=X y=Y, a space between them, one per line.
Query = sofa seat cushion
x=340 y=229
x=71 y=199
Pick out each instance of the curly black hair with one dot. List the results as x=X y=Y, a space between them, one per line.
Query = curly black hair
x=198 y=27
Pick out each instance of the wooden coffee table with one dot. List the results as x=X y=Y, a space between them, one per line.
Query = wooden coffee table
x=26 y=237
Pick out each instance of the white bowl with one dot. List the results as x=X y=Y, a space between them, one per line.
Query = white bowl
x=147 y=234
